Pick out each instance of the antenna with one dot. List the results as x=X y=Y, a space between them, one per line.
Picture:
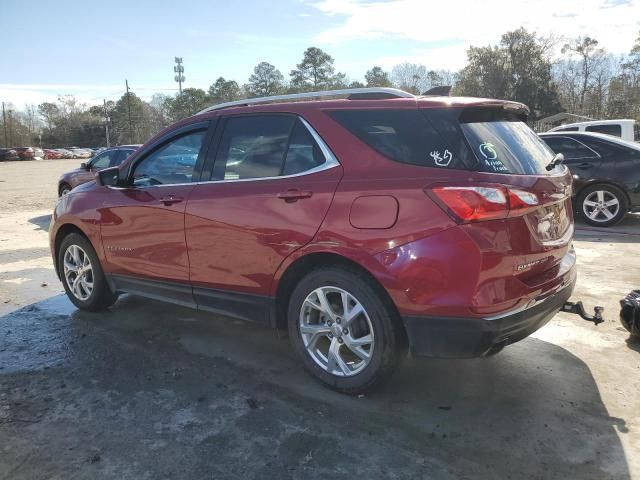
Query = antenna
x=179 y=71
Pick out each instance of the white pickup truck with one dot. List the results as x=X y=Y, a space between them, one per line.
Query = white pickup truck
x=625 y=129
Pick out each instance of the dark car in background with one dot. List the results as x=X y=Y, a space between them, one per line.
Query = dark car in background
x=606 y=174
x=8 y=154
x=110 y=157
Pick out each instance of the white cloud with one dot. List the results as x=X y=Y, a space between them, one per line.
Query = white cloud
x=614 y=23
x=35 y=93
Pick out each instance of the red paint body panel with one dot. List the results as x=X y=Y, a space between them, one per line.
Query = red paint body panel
x=240 y=232
x=142 y=236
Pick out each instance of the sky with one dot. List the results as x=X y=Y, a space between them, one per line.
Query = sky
x=88 y=49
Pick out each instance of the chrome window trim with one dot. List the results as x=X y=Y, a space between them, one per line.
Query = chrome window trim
x=330 y=162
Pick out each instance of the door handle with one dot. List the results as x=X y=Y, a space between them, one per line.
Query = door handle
x=171 y=199
x=585 y=165
x=294 y=194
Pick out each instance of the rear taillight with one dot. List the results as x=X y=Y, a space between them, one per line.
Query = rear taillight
x=475 y=203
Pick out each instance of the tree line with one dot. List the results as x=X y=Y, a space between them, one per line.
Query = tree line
x=584 y=80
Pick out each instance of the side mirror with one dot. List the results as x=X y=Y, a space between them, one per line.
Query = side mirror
x=109 y=177
x=84 y=165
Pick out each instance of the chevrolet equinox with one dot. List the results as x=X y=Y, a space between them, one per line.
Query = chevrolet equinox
x=366 y=225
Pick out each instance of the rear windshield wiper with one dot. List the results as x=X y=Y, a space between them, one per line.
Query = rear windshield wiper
x=557 y=160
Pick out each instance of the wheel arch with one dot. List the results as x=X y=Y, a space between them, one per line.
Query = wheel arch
x=62 y=232
x=61 y=184
x=299 y=267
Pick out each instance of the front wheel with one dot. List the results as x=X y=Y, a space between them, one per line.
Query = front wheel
x=602 y=205
x=344 y=333
x=82 y=275
x=64 y=189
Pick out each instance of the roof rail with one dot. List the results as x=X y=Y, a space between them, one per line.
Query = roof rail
x=352 y=93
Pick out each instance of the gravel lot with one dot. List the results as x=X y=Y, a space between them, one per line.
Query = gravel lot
x=156 y=391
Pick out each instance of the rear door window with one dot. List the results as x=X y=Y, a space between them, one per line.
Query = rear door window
x=303 y=153
x=265 y=146
x=253 y=146
x=570 y=148
x=611 y=129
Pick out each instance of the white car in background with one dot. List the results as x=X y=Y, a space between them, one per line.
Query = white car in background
x=626 y=129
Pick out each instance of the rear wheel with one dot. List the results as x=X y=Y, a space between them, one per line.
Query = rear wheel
x=82 y=274
x=602 y=205
x=344 y=333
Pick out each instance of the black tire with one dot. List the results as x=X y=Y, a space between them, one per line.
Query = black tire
x=388 y=340
x=589 y=212
x=63 y=189
x=101 y=296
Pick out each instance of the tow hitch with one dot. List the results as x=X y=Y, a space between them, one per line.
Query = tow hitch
x=578 y=309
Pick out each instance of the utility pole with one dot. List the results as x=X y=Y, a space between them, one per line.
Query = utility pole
x=129 y=112
x=107 y=121
x=179 y=70
x=10 y=132
x=4 y=124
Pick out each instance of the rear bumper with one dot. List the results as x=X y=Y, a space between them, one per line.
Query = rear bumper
x=449 y=337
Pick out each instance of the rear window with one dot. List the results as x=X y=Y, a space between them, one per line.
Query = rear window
x=566 y=129
x=488 y=140
x=614 y=130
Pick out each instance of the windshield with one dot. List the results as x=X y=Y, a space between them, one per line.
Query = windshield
x=507 y=147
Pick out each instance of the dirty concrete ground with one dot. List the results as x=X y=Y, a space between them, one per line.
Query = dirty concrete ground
x=149 y=390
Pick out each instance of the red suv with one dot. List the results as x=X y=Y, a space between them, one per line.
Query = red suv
x=363 y=225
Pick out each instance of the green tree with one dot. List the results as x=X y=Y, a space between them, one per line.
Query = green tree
x=266 y=80
x=516 y=69
x=624 y=89
x=224 y=91
x=376 y=77
x=128 y=120
x=185 y=104
x=315 y=72
x=586 y=48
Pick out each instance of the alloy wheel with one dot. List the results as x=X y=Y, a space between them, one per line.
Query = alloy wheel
x=601 y=206
x=78 y=272
x=336 y=331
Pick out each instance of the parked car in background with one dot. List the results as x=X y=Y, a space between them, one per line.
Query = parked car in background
x=66 y=153
x=8 y=154
x=626 y=129
x=357 y=223
x=606 y=173
x=52 y=154
x=110 y=157
x=38 y=153
x=25 y=153
x=81 y=152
